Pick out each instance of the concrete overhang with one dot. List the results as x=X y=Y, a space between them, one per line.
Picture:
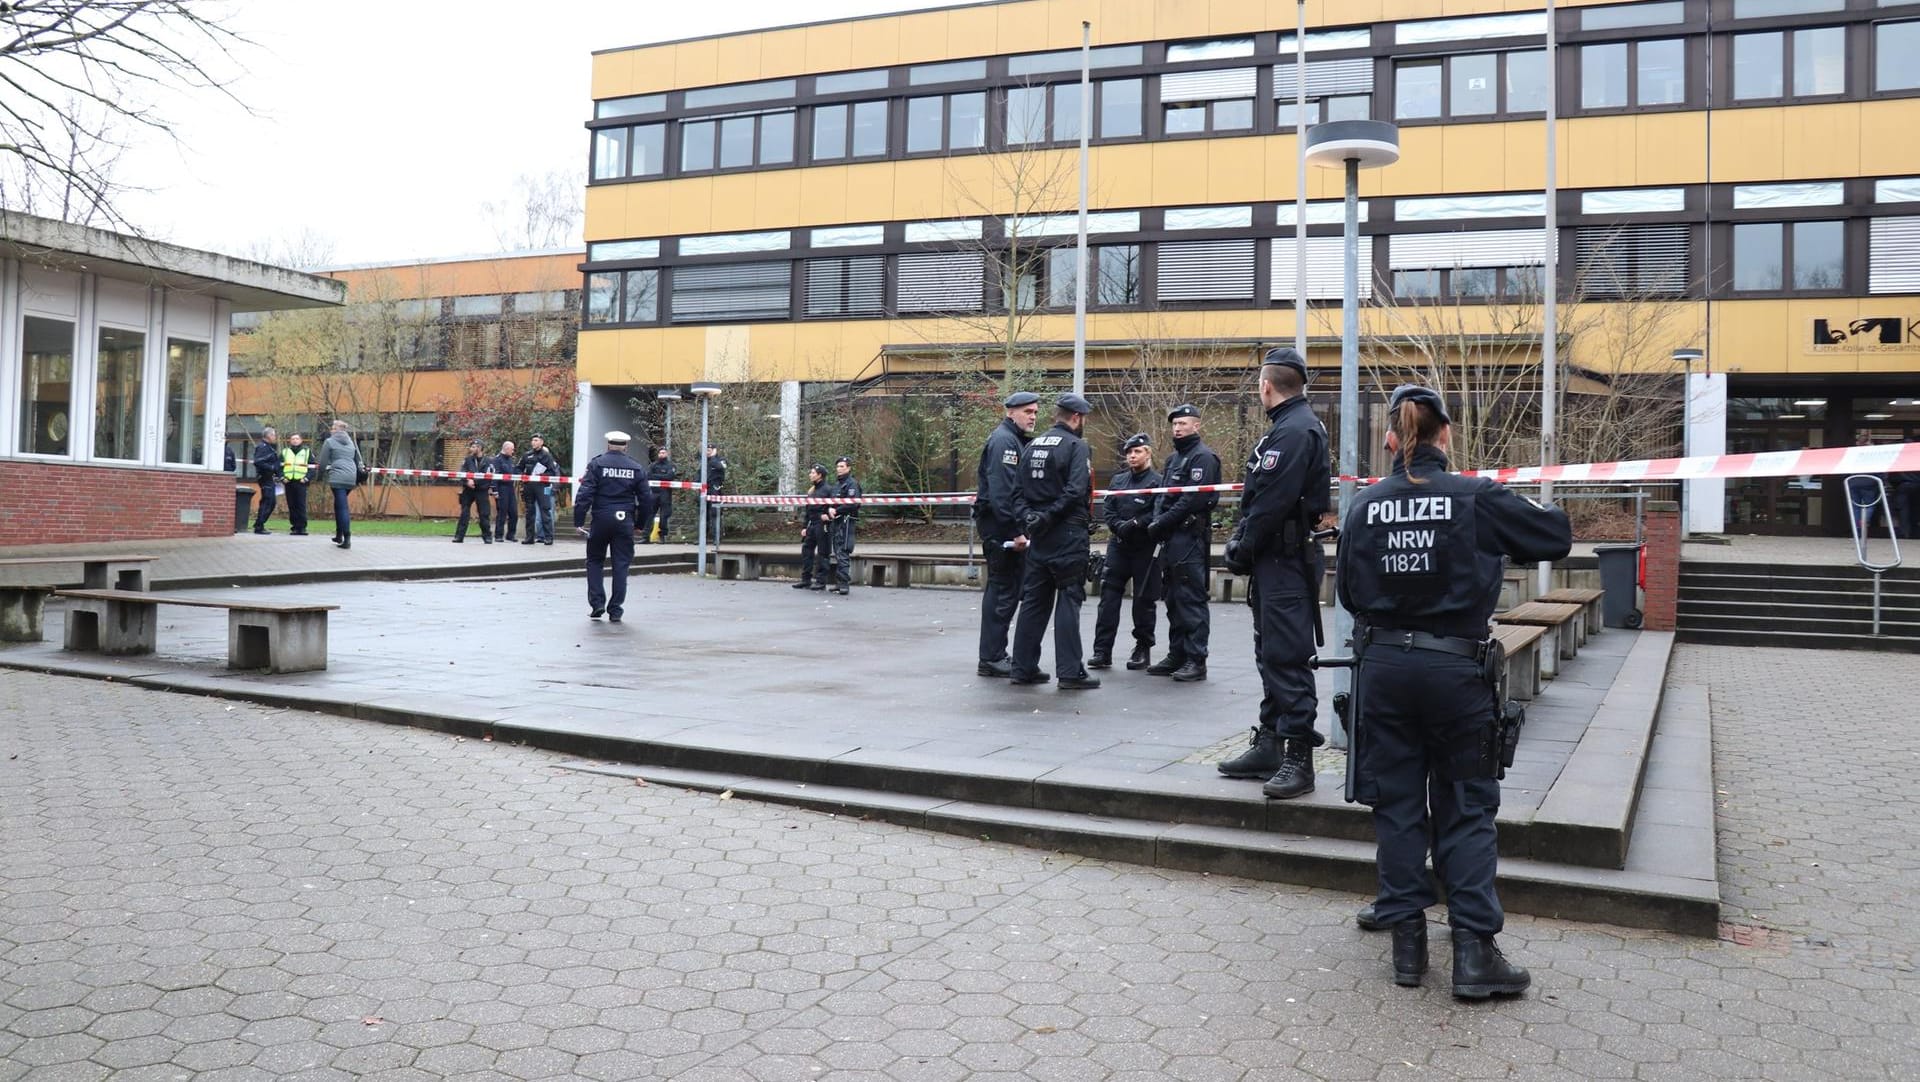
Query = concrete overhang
x=250 y=286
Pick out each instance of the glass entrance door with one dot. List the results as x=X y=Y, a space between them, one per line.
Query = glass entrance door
x=1777 y=505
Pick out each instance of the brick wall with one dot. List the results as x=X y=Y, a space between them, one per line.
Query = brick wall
x=1663 y=565
x=47 y=503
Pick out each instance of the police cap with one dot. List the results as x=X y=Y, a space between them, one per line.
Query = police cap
x=1288 y=356
x=1138 y=439
x=618 y=438
x=848 y=459
x=1073 y=403
x=1020 y=398
x=817 y=468
x=1426 y=396
x=1184 y=409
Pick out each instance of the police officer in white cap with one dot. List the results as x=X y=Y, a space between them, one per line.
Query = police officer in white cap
x=614 y=491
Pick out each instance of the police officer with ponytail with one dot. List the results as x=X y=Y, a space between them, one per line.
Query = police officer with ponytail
x=1420 y=563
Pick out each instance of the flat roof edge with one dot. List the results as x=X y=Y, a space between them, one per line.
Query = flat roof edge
x=805 y=25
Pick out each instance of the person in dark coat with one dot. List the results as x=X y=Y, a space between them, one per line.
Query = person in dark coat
x=266 y=472
x=1129 y=559
x=506 y=501
x=475 y=493
x=841 y=520
x=661 y=469
x=538 y=495
x=1002 y=541
x=816 y=548
x=1056 y=489
x=614 y=494
x=1183 y=527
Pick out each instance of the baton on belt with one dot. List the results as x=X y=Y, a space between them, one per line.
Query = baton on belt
x=1346 y=711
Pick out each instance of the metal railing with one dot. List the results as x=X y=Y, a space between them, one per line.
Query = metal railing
x=1860 y=520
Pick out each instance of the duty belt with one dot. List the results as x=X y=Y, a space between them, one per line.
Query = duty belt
x=1474 y=649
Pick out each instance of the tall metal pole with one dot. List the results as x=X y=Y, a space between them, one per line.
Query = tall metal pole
x=669 y=440
x=1300 y=184
x=1080 y=256
x=1349 y=404
x=705 y=400
x=1550 y=312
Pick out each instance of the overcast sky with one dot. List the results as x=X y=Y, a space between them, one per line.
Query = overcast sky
x=382 y=126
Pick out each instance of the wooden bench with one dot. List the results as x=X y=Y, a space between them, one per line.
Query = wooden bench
x=1563 y=621
x=1588 y=600
x=277 y=636
x=1522 y=644
x=23 y=603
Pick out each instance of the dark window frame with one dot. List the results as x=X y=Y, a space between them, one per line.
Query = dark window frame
x=1500 y=112
x=1852 y=252
x=1209 y=129
x=678 y=151
x=1872 y=74
x=902 y=125
x=623 y=275
x=1444 y=293
x=1851 y=44
x=812 y=113
x=1691 y=97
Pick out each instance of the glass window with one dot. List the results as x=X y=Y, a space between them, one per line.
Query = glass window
x=696 y=146
x=707 y=97
x=634 y=106
x=958 y=71
x=640 y=302
x=549 y=300
x=649 y=148
x=1027 y=115
x=1329 y=40
x=1286 y=114
x=1524 y=282
x=1209 y=50
x=1759 y=66
x=609 y=153
x=1063 y=265
x=1471 y=29
x=1118 y=275
x=1416 y=90
x=1819 y=255
x=1757 y=256
x=1055 y=225
x=1897 y=190
x=869 y=129
x=1232 y=115
x=829 y=132
x=1895 y=49
x=929 y=232
x=1816 y=194
x=116 y=402
x=1209 y=217
x=1066 y=113
x=924 y=117
x=966 y=121
x=1634 y=201
x=1761 y=9
x=1349 y=107
x=725 y=243
x=842 y=236
x=1107 y=56
x=603 y=296
x=1186 y=119
x=187 y=364
x=1661 y=70
x=1416 y=283
x=1527 y=81
x=1445 y=207
x=623 y=249
x=1475 y=281
x=1625 y=15
x=846 y=81
x=776 y=138
x=736 y=142
x=1820 y=61
x=1603 y=76
x=1475 y=89
x=1120 y=108
x=488 y=305
x=46 y=386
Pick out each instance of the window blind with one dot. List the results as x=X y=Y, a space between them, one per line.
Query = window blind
x=1207 y=85
x=732 y=291
x=941 y=282
x=1486 y=248
x=1206 y=270
x=846 y=287
x=1893 y=256
x=1325 y=269
x=1634 y=260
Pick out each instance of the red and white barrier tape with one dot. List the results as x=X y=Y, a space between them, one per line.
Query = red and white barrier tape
x=801 y=501
x=549 y=478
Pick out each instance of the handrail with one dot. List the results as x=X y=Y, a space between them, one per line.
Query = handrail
x=1854 y=507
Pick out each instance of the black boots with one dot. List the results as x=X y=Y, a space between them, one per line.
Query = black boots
x=1295 y=776
x=1003 y=667
x=1479 y=969
x=1368 y=921
x=1191 y=672
x=1079 y=683
x=1410 y=953
x=803 y=584
x=1166 y=666
x=1260 y=760
x=1142 y=657
x=1101 y=659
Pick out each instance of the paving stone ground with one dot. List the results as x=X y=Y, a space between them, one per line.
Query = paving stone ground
x=197 y=889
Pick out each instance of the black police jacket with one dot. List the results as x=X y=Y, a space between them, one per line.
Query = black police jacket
x=504 y=464
x=1287 y=481
x=814 y=514
x=1427 y=552
x=662 y=471
x=1191 y=463
x=1128 y=516
x=845 y=488
x=266 y=461
x=999 y=482
x=716 y=473
x=542 y=457
x=613 y=483
x=475 y=464
x=1056 y=486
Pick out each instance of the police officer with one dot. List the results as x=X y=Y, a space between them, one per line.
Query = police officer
x=1183 y=525
x=1002 y=541
x=506 y=509
x=815 y=546
x=1286 y=493
x=1056 y=489
x=475 y=494
x=614 y=490
x=1420 y=564
x=296 y=461
x=716 y=479
x=840 y=520
x=538 y=495
x=660 y=469
x=266 y=471
x=1129 y=559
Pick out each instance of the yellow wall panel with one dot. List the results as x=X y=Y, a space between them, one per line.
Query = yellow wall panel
x=1524 y=166
x=971 y=31
x=776 y=198
x=736 y=59
x=1821 y=141
x=1233 y=17
x=1747 y=145
x=823 y=198
x=876 y=41
x=732 y=195
x=1020 y=28
x=1176 y=179
x=690 y=208
x=1236 y=167
x=696 y=63
x=606 y=211
x=1115 y=22
x=1887 y=143
x=1121 y=176
x=870 y=186
x=829 y=47
x=1472 y=158
x=1601 y=151
x=1423 y=153
x=1669 y=148
x=612 y=74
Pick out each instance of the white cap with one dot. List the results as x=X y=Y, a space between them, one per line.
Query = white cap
x=619 y=437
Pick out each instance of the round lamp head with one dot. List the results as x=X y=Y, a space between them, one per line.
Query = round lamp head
x=704 y=390
x=1371 y=143
x=1688 y=356
x=666 y=396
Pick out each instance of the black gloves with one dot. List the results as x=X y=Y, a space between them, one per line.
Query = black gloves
x=1238 y=559
x=1159 y=528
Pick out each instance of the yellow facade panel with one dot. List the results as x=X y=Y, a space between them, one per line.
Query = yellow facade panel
x=1235 y=168
x=1018 y=27
x=1670 y=148
x=1472 y=158
x=1115 y=22
x=1821 y=141
x=736 y=59
x=690 y=209
x=1121 y=176
x=1524 y=165
x=971 y=31
x=612 y=74
x=1887 y=144
x=823 y=198
x=870 y=186
x=776 y=198
x=695 y=63
x=829 y=47
x=1604 y=153
x=1747 y=145
x=876 y=42
x=732 y=196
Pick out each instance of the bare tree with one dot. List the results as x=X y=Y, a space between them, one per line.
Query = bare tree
x=542 y=212
x=73 y=71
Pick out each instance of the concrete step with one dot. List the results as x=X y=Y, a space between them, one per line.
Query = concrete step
x=1756 y=585
x=1701 y=612
x=1789 y=639
x=1909 y=575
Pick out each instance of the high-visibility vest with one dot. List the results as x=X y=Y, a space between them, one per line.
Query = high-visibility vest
x=293 y=463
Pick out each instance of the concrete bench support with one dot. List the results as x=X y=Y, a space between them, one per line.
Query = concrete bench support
x=117 y=574
x=883 y=570
x=21 y=610
x=744 y=566
x=1522 y=645
x=277 y=641
x=107 y=626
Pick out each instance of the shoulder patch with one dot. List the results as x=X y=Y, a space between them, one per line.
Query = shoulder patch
x=1197 y=473
x=1010 y=457
x=1270 y=460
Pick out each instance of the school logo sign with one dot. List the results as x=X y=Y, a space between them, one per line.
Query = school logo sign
x=1869 y=334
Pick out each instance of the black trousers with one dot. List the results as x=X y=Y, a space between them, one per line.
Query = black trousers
x=1284 y=608
x=816 y=550
x=1126 y=564
x=297 y=506
x=1422 y=711
x=472 y=500
x=266 y=505
x=604 y=535
x=1001 y=598
x=1055 y=585
x=664 y=510
x=840 y=530
x=506 y=515
x=1183 y=567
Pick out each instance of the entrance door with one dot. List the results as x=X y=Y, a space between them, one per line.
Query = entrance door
x=1777 y=505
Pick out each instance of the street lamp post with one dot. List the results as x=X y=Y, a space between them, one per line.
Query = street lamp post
x=1686 y=357
x=1350 y=145
x=705 y=392
x=669 y=397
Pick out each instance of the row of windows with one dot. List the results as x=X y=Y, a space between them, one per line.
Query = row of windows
x=1811 y=63
x=116 y=394
x=1610 y=262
